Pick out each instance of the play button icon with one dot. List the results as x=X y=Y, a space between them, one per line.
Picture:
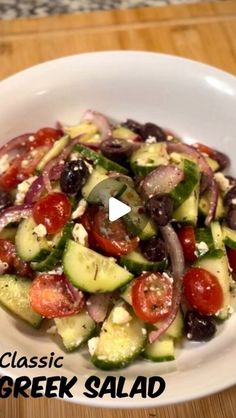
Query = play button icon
x=117 y=209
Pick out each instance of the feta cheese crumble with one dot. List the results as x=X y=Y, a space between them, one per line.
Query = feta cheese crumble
x=80 y=234
x=22 y=189
x=79 y=211
x=40 y=230
x=92 y=345
x=4 y=163
x=223 y=182
x=202 y=248
x=120 y=315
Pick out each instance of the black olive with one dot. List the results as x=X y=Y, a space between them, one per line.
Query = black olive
x=115 y=149
x=230 y=218
x=153 y=249
x=160 y=208
x=230 y=196
x=199 y=327
x=205 y=183
x=232 y=180
x=5 y=199
x=152 y=130
x=74 y=176
x=134 y=126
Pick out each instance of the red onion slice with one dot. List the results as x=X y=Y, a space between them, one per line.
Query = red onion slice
x=97 y=306
x=37 y=186
x=178 y=266
x=100 y=121
x=162 y=180
x=14 y=214
x=17 y=142
x=187 y=149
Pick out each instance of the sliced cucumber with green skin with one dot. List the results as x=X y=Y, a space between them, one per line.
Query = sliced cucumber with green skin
x=119 y=344
x=91 y=271
x=229 y=237
x=96 y=177
x=161 y=350
x=75 y=329
x=29 y=246
x=126 y=293
x=136 y=221
x=205 y=235
x=176 y=329
x=58 y=244
x=216 y=263
x=101 y=193
x=148 y=157
x=204 y=205
x=99 y=159
x=217 y=236
x=56 y=149
x=187 y=213
x=184 y=189
x=14 y=295
x=137 y=263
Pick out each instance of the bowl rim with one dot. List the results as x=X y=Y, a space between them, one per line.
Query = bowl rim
x=6 y=82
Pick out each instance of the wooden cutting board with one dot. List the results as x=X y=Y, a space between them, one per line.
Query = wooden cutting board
x=204 y=32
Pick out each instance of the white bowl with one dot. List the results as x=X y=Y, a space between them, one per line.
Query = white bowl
x=196 y=101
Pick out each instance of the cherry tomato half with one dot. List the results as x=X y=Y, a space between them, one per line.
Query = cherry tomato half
x=44 y=137
x=187 y=239
x=52 y=296
x=15 y=264
x=202 y=290
x=12 y=177
x=152 y=297
x=232 y=258
x=53 y=211
x=112 y=237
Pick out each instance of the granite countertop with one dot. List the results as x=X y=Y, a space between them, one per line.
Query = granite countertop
x=10 y=9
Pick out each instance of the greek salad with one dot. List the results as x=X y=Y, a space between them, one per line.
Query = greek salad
x=133 y=287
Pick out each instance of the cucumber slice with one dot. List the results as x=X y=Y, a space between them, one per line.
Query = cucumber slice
x=14 y=295
x=148 y=157
x=161 y=350
x=56 y=149
x=217 y=236
x=213 y=164
x=187 y=213
x=88 y=130
x=175 y=330
x=137 y=222
x=29 y=246
x=54 y=258
x=119 y=344
x=97 y=176
x=101 y=193
x=126 y=293
x=184 y=189
x=75 y=329
x=229 y=237
x=99 y=159
x=216 y=262
x=137 y=263
x=121 y=132
x=91 y=271
x=204 y=205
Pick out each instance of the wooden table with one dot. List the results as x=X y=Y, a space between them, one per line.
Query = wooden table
x=204 y=32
